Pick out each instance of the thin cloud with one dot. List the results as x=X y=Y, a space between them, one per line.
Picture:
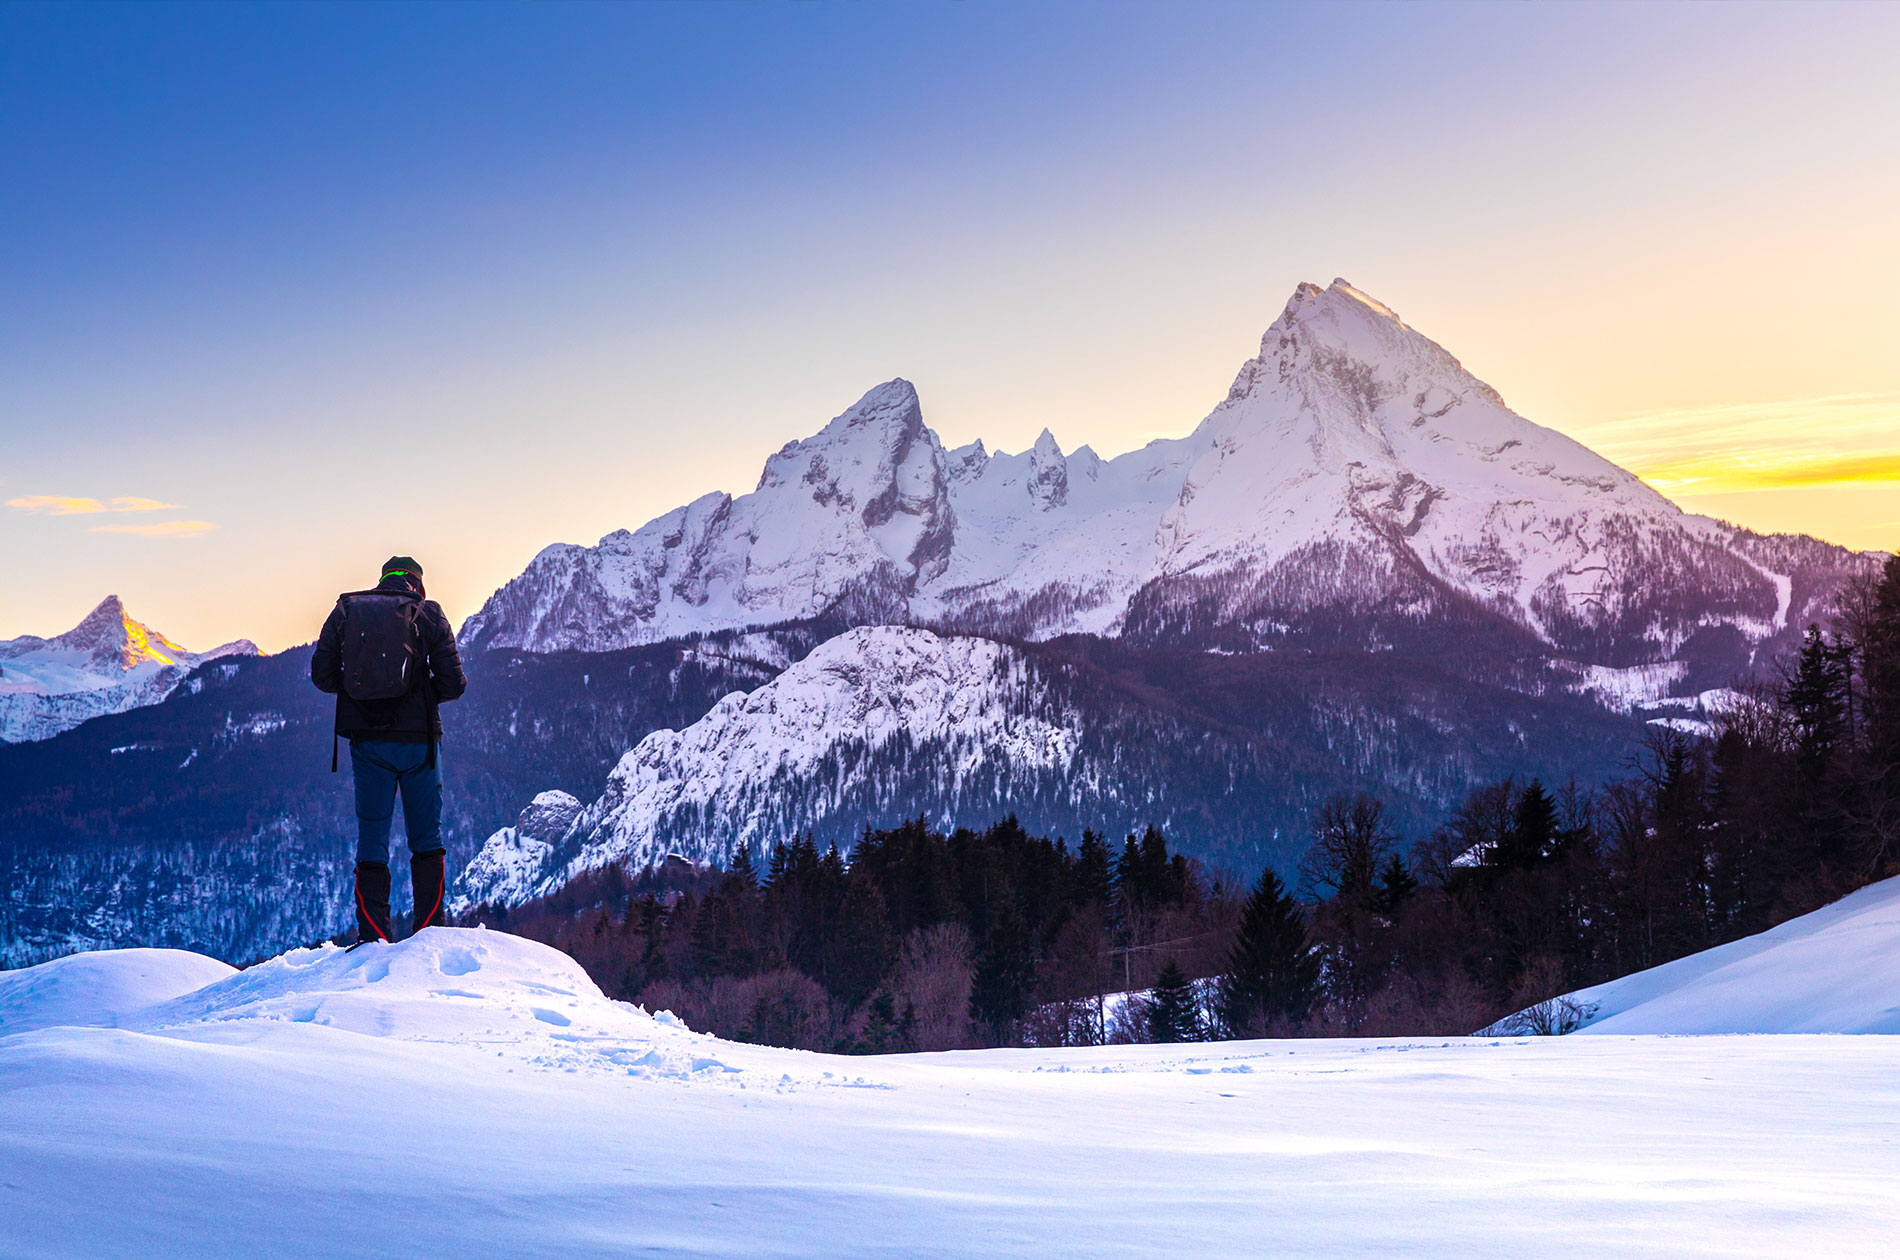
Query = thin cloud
x=1716 y=475
x=64 y=505
x=54 y=505
x=160 y=529
x=1840 y=440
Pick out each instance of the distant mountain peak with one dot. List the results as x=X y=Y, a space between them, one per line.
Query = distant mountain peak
x=889 y=409
x=108 y=635
x=107 y=663
x=1341 y=342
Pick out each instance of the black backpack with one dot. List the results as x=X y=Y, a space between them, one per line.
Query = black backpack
x=384 y=657
x=383 y=653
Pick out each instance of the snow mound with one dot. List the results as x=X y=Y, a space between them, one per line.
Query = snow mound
x=100 y=990
x=1836 y=970
x=466 y=988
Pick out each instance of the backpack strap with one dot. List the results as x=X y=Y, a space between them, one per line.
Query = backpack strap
x=341 y=607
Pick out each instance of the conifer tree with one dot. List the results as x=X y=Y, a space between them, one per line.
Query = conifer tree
x=1396 y=886
x=1272 y=971
x=1533 y=828
x=1171 y=1011
x=1094 y=878
x=1005 y=974
x=1880 y=669
x=1817 y=698
x=863 y=950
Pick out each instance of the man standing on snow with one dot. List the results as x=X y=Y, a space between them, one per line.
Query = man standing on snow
x=389 y=658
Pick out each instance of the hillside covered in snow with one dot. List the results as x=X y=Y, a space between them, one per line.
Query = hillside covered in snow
x=161 y=1105
x=108 y=663
x=1834 y=970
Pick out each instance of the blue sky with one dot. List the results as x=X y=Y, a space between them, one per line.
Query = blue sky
x=461 y=281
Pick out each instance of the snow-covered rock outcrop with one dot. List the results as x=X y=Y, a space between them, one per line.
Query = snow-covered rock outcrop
x=842 y=730
x=108 y=663
x=513 y=861
x=1355 y=479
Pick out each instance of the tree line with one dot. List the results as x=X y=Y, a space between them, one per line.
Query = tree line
x=918 y=940
x=924 y=940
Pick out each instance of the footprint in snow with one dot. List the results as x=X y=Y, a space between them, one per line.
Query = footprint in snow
x=459 y=963
x=551 y=1017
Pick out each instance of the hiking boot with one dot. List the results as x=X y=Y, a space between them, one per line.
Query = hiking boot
x=429 y=880
x=372 y=902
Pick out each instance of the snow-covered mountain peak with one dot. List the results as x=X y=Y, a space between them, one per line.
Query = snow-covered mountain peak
x=1048 y=472
x=106 y=642
x=101 y=631
x=109 y=636
x=876 y=458
x=1338 y=345
x=108 y=663
x=1347 y=412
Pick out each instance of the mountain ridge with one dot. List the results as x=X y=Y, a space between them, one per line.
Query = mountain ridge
x=1356 y=487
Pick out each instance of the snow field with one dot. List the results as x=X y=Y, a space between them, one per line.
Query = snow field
x=470 y=1092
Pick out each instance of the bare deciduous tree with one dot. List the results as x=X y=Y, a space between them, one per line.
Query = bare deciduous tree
x=1351 y=841
x=933 y=982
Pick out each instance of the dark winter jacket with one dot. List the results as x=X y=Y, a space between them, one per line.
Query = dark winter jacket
x=409 y=719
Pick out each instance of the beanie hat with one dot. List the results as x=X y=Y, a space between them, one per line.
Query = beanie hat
x=401 y=564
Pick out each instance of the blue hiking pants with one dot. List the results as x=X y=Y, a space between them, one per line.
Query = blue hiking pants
x=380 y=768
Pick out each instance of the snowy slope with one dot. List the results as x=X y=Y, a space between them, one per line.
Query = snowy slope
x=97 y=990
x=1356 y=482
x=108 y=663
x=1836 y=970
x=760 y=767
x=472 y=1093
